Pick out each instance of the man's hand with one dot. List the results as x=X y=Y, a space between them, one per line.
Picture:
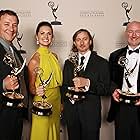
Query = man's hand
x=116 y=95
x=138 y=101
x=81 y=82
x=11 y=83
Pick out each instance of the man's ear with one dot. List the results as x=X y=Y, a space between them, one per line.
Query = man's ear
x=90 y=42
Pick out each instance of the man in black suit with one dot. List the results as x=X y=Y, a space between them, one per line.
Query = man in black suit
x=125 y=76
x=83 y=84
x=11 y=113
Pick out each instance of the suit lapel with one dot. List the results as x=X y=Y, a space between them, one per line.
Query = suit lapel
x=91 y=61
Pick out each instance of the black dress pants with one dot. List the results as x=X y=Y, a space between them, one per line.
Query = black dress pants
x=127 y=124
x=80 y=122
x=11 y=124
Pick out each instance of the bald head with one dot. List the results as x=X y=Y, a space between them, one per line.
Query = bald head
x=133 y=23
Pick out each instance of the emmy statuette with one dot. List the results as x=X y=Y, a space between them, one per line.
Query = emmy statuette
x=42 y=108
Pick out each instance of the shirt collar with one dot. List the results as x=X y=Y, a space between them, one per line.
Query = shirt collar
x=85 y=55
x=4 y=43
x=129 y=48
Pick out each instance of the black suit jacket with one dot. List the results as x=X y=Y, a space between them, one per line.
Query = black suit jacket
x=97 y=70
x=117 y=72
x=6 y=70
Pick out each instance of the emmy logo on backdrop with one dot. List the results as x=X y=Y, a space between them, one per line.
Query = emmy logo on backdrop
x=12 y=98
x=127 y=10
x=42 y=108
x=127 y=96
x=19 y=37
x=51 y=4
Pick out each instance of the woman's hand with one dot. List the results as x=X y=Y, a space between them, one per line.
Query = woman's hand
x=40 y=91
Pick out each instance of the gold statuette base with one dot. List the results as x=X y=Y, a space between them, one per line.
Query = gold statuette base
x=42 y=108
x=129 y=98
x=12 y=99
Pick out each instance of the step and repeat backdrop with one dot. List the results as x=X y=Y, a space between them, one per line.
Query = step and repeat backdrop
x=106 y=21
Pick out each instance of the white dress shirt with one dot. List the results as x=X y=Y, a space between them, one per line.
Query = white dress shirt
x=86 y=55
x=132 y=60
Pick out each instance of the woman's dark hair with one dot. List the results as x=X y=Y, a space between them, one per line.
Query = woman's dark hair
x=9 y=12
x=43 y=23
x=74 y=48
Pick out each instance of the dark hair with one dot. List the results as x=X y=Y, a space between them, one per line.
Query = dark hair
x=9 y=12
x=43 y=23
x=74 y=48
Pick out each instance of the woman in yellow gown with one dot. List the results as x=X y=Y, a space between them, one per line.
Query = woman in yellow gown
x=45 y=127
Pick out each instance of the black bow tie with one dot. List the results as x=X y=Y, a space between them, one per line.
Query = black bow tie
x=130 y=51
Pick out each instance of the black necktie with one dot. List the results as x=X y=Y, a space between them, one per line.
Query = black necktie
x=81 y=66
x=82 y=60
x=131 y=51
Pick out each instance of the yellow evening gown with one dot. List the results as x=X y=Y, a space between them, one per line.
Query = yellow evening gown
x=48 y=127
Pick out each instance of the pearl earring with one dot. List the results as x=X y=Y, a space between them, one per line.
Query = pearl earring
x=37 y=42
